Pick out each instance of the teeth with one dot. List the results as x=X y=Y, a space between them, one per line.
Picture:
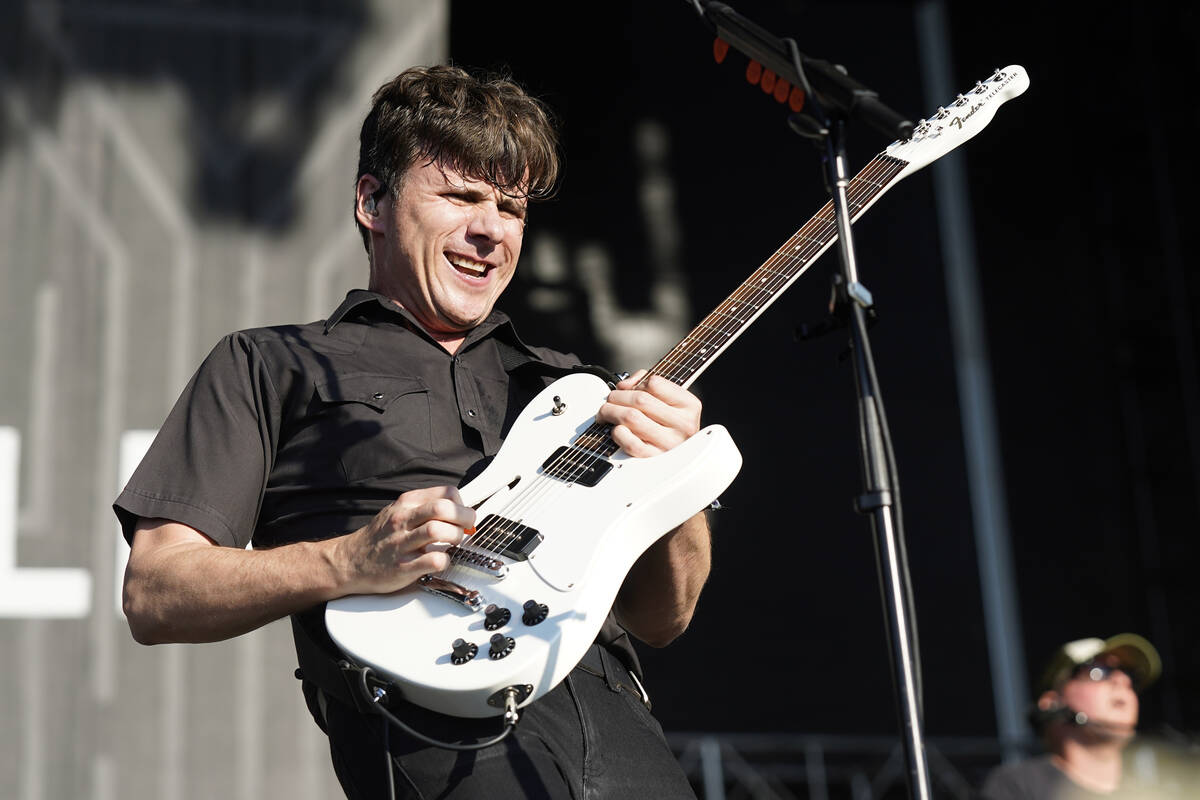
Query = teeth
x=478 y=267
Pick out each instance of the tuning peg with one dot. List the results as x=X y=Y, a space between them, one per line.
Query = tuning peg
x=960 y=101
x=979 y=87
x=941 y=113
x=997 y=75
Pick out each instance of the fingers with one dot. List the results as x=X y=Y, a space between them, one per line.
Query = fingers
x=407 y=539
x=651 y=418
x=440 y=519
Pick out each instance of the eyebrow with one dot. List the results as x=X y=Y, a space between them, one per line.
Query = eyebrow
x=513 y=205
x=506 y=202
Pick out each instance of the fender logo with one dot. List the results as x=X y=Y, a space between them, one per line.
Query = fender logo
x=958 y=121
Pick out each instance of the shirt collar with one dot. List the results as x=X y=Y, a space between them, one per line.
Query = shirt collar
x=497 y=322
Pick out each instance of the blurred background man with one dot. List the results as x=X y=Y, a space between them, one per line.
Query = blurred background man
x=1086 y=713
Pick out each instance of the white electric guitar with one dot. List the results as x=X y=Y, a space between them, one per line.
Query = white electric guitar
x=562 y=513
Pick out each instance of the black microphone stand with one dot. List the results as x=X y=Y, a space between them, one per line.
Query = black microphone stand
x=881 y=491
x=832 y=97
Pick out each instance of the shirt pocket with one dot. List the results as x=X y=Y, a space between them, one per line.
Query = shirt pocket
x=378 y=424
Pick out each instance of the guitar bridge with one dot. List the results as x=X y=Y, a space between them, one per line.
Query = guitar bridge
x=451 y=591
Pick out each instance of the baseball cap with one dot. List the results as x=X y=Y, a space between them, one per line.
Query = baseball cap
x=1133 y=653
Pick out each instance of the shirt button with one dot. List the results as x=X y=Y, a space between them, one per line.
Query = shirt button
x=378 y=395
x=471 y=412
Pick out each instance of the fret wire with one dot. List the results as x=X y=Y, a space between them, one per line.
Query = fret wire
x=859 y=193
x=723 y=324
x=758 y=290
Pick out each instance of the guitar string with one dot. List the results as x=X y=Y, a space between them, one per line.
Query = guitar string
x=861 y=189
x=716 y=330
x=570 y=466
x=723 y=323
x=857 y=191
x=864 y=187
x=883 y=168
x=685 y=361
x=504 y=531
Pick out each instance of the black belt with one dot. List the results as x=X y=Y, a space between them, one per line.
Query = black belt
x=341 y=680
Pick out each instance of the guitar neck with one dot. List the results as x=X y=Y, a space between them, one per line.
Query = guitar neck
x=688 y=359
x=932 y=138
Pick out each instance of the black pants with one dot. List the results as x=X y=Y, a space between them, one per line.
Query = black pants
x=590 y=738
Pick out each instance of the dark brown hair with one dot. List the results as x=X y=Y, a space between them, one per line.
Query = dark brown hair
x=488 y=128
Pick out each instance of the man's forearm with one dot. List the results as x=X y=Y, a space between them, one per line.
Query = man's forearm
x=182 y=588
x=660 y=593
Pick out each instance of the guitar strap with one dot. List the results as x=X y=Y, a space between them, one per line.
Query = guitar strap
x=514 y=359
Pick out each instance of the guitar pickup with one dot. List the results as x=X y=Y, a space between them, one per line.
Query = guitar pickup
x=573 y=465
x=507 y=538
x=464 y=557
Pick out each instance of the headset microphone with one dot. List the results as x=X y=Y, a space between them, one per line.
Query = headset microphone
x=1057 y=713
x=1075 y=717
x=1040 y=717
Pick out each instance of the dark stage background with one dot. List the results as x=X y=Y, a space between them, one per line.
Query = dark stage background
x=174 y=170
x=1076 y=190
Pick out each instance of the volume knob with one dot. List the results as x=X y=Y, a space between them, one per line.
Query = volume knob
x=462 y=651
x=494 y=617
x=535 y=612
x=501 y=646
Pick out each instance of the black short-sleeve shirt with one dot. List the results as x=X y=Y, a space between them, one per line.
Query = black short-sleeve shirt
x=303 y=432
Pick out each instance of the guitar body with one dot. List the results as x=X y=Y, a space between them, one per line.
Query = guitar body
x=590 y=538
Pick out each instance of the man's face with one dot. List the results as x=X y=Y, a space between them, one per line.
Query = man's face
x=450 y=248
x=1105 y=694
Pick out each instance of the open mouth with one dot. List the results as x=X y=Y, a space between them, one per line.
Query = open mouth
x=468 y=266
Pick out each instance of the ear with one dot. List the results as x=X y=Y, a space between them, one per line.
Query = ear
x=367 y=210
x=1050 y=700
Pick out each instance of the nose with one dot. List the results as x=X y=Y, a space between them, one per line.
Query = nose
x=486 y=223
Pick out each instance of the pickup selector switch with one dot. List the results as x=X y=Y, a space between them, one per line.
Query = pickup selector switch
x=494 y=617
x=535 y=612
x=501 y=646
x=463 y=651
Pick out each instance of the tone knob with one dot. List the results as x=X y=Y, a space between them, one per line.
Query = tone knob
x=501 y=646
x=463 y=651
x=494 y=617
x=535 y=612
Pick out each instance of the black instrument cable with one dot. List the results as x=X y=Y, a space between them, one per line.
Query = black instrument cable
x=376 y=697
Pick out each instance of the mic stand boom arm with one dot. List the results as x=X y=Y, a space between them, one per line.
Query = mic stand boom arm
x=835 y=88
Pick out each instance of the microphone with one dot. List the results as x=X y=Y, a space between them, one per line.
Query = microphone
x=1040 y=717
x=831 y=82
